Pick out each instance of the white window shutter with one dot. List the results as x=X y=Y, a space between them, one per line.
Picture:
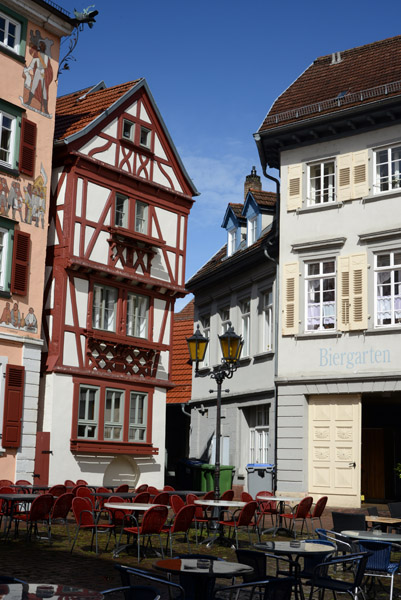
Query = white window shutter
x=360 y=174
x=291 y=299
x=344 y=169
x=359 y=313
x=343 y=293
x=294 y=192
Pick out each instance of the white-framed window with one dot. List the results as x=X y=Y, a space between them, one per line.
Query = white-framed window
x=252 y=230
x=141 y=217
x=121 y=211
x=88 y=412
x=246 y=325
x=387 y=169
x=137 y=315
x=4 y=257
x=104 y=307
x=231 y=241
x=128 y=130
x=259 y=434
x=388 y=288
x=224 y=318
x=205 y=323
x=320 y=280
x=138 y=410
x=10 y=33
x=267 y=316
x=144 y=138
x=113 y=414
x=7 y=139
x=321 y=182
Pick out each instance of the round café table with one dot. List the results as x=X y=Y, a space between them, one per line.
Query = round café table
x=294 y=548
x=373 y=535
x=197 y=575
x=56 y=591
x=132 y=507
x=218 y=534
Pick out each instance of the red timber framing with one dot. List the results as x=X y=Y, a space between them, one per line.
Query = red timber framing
x=100 y=444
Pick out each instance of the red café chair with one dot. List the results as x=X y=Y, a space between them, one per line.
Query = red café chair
x=162 y=498
x=39 y=512
x=142 y=498
x=181 y=524
x=243 y=519
x=318 y=511
x=152 y=490
x=85 y=492
x=176 y=502
x=5 y=482
x=61 y=507
x=99 y=499
x=141 y=488
x=122 y=489
x=266 y=507
x=22 y=482
x=168 y=488
x=5 y=508
x=57 y=490
x=299 y=513
x=208 y=496
x=117 y=515
x=245 y=497
x=200 y=517
x=81 y=482
x=152 y=524
x=69 y=483
x=85 y=520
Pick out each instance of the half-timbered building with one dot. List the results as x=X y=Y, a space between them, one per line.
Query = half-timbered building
x=30 y=33
x=116 y=260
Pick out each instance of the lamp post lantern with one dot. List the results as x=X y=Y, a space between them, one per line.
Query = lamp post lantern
x=231 y=347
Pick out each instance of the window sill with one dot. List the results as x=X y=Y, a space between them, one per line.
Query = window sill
x=102 y=447
x=134 y=237
x=137 y=147
x=318 y=334
x=10 y=171
x=12 y=54
x=318 y=207
x=245 y=360
x=384 y=330
x=263 y=356
x=382 y=196
x=114 y=337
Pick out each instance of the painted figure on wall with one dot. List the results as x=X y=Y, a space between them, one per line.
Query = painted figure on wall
x=15 y=200
x=12 y=318
x=38 y=74
x=28 y=205
x=4 y=191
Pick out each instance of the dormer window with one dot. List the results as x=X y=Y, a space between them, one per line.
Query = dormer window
x=128 y=130
x=231 y=242
x=144 y=139
x=252 y=224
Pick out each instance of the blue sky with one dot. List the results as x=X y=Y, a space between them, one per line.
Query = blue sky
x=214 y=69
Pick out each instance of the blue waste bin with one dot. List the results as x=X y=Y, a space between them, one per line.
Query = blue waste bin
x=260 y=478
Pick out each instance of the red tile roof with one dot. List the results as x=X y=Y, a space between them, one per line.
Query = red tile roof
x=264 y=198
x=181 y=371
x=75 y=111
x=237 y=209
x=363 y=73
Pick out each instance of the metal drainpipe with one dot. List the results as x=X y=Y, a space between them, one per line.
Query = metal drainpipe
x=276 y=303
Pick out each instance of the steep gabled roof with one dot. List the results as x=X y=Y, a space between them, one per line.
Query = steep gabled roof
x=350 y=78
x=234 y=209
x=181 y=371
x=77 y=110
x=262 y=198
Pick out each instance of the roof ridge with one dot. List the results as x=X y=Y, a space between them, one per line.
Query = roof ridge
x=363 y=47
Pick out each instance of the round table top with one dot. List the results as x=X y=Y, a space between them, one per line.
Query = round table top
x=202 y=566
x=129 y=505
x=228 y=503
x=294 y=547
x=20 y=497
x=266 y=498
x=376 y=535
x=17 y=591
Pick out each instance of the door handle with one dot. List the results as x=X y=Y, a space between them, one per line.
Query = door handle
x=353 y=465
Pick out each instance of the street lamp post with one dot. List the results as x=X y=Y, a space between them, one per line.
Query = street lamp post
x=231 y=347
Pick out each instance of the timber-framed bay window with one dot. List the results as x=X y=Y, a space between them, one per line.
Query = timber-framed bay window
x=131 y=214
x=320 y=292
x=321 y=182
x=388 y=288
x=387 y=174
x=111 y=417
x=113 y=307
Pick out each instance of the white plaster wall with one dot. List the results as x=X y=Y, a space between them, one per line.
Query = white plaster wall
x=159 y=307
x=132 y=110
x=70 y=356
x=101 y=248
x=143 y=115
x=78 y=204
x=56 y=174
x=168 y=224
x=158 y=268
x=159 y=177
x=68 y=307
x=96 y=198
x=159 y=148
x=81 y=294
x=77 y=233
x=111 y=129
x=61 y=194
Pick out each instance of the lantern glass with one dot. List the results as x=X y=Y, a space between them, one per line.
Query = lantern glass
x=231 y=345
x=197 y=345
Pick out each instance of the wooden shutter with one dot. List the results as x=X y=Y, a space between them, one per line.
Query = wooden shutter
x=27 y=147
x=294 y=195
x=343 y=293
x=20 y=265
x=13 y=404
x=291 y=301
x=360 y=174
x=358 y=270
x=344 y=169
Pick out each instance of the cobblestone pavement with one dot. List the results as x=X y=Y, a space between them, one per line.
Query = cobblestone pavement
x=39 y=561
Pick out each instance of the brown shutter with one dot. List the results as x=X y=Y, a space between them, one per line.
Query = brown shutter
x=13 y=403
x=28 y=147
x=290 y=318
x=20 y=265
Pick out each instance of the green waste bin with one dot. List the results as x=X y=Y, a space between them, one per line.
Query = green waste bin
x=207 y=480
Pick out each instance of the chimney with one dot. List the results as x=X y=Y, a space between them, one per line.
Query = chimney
x=253 y=182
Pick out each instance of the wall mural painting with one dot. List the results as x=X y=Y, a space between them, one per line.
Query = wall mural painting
x=27 y=205
x=38 y=74
x=12 y=318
